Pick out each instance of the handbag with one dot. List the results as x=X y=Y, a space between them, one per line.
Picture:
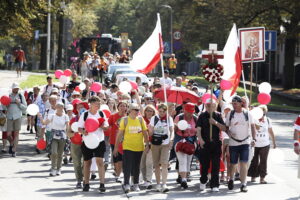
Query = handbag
x=185 y=147
x=158 y=139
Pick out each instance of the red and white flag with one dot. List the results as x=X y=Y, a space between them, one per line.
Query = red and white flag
x=232 y=60
x=148 y=55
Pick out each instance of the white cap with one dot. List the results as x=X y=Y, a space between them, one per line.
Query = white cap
x=54 y=90
x=148 y=95
x=15 y=85
x=69 y=107
x=75 y=93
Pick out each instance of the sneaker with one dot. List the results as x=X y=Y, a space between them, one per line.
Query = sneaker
x=102 y=188
x=202 y=187
x=78 y=185
x=13 y=154
x=31 y=131
x=215 y=189
x=179 y=180
x=165 y=189
x=127 y=188
x=230 y=185
x=93 y=176
x=136 y=188
x=28 y=128
x=65 y=160
x=70 y=159
x=10 y=150
x=244 y=188
x=3 y=151
x=86 y=188
x=58 y=172
x=52 y=172
x=118 y=180
x=158 y=188
x=184 y=185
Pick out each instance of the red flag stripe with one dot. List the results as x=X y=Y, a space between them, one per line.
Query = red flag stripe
x=152 y=64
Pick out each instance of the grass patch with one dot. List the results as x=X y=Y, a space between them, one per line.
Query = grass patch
x=34 y=80
x=276 y=102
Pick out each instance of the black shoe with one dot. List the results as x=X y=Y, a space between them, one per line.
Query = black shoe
x=10 y=150
x=169 y=169
x=3 y=151
x=31 y=131
x=102 y=188
x=230 y=185
x=244 y=188
x=13 y=154
x=179 y=180
x=28 y=128
x=65 y=160
x=93 y=176
x=86 y=188
x=38 y=151
x=70 y=159
x=184 y=185
x=78 y=185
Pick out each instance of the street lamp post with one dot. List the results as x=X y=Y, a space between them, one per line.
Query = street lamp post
x=171 y=24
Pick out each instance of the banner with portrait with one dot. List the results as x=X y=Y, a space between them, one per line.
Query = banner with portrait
x=252 y=44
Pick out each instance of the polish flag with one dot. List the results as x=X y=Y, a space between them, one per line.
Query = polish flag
x=232 y=60
x=147 y=56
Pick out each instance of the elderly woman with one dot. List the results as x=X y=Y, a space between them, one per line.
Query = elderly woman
x=258 y=166
x=161 y=132
x=186 y=138
x=147 y=162
x=133 y=130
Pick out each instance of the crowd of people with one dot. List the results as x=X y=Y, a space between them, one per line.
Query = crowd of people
x=142 y=135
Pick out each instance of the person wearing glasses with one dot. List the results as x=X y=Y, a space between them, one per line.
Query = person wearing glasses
x=133 y=130
x=161 y=143
x=238 y=123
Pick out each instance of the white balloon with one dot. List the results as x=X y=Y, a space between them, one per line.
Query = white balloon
x=32 y=109
x=182 y=125
x=265 y=87
x=91 y=140
x=64 y=79
x=104 y=107
x=74 y=127
x=125 y=87
x=82 y=86
x=257 y=113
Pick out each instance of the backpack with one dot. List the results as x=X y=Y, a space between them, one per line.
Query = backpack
x=246 y=118
x=85 y=115
x=126 y=121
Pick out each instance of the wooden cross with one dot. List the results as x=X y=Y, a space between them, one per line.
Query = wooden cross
x=212 y=54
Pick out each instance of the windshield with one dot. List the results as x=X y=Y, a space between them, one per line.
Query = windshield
x=112 y=68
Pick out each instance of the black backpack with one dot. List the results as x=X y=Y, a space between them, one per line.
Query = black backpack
x=86 y=114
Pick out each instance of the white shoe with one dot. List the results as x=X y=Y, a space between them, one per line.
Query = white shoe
x=165 y=188
x=136 y=188
x=202 y=187
x=215 y=189
x=158 y=188
x=58 y=172
x=145 y=184
x=127 y=188
x=53 y=172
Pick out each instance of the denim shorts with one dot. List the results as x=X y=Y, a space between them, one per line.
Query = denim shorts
x=239 y=153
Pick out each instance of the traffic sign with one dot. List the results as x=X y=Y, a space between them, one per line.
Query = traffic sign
x=177 y=35
x=167 y=48
x=271 y=40
x=36 y=34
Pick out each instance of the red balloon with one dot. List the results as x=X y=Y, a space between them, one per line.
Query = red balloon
x=5 y=100
x=264 y=98
x=76 y=101
x=134 y=85
x=225 y=85
x=68 y=72
x=77 y=89
x=91 y=125
x=76 y=139
x=96 y=87
x=41 y=144
x=107 y=113
x=207 y=96
x=58 y=73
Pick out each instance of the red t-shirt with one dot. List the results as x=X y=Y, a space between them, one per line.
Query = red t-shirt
x=114 y=121
x=20 y=55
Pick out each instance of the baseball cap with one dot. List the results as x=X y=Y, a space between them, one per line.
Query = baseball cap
x=166 y=71
x=189 y=107
x=54 y=90
x=237 y=99
x=75 y=93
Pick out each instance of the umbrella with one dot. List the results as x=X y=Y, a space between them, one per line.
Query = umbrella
x=177 y=95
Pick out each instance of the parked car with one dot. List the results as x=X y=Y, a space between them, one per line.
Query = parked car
x=113 y=67
x=131 y=77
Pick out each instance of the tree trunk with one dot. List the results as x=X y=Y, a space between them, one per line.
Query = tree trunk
x=289 y=75
x=60 y=42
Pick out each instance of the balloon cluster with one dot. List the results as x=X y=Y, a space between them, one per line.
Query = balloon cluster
x=264 y=96
x=63 y=76
x=213 y=72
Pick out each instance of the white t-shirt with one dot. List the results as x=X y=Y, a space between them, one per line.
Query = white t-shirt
x=161 y=128
x=239 y=128
x=99 y=132
x=167 y=81
x=58 y=122
x=262 y=135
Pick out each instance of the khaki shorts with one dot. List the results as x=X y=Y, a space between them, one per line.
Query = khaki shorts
x=160 y=154
x=14 y=125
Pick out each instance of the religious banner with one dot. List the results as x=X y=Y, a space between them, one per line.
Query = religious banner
x=252 y=44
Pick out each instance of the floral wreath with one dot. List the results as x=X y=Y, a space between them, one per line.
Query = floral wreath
x=213 y=72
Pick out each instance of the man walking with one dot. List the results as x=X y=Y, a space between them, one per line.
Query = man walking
x=19 y=60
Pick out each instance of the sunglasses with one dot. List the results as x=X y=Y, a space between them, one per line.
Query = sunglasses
x=137 y=110
x=234 y=101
